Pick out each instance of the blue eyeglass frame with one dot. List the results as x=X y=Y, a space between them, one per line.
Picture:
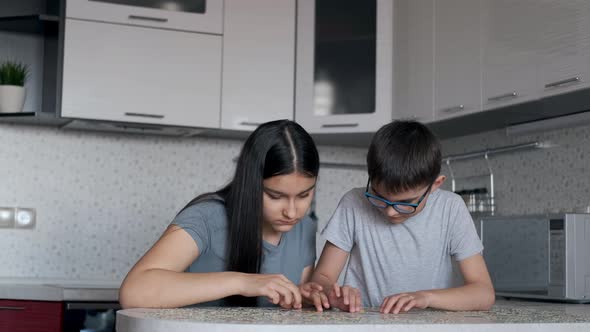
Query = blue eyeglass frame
x=394 y=205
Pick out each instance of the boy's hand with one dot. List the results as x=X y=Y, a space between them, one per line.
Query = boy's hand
x=404 y=302
x=345 y=298
x=312 y=293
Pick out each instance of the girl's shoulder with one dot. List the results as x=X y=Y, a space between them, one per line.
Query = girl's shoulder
x=210 y=211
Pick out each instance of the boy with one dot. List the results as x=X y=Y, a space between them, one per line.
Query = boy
x=401 y=233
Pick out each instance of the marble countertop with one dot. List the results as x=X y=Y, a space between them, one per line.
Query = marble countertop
x=520 y=315
x=45 y=289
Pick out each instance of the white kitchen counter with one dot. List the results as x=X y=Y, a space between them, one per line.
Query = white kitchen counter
x=505 y=316
x=58 y=289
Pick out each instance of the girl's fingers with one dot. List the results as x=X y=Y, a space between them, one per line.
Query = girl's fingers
x=325 y=301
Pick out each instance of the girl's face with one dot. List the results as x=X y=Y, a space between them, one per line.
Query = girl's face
x=286 y=199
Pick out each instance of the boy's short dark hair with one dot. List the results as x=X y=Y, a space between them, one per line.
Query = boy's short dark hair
x=404 y=155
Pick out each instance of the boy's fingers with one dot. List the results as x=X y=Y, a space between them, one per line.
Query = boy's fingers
x=358 y=300
x=401 y=303
x=351 y=302
x=410 y=305
x=346 y=295
x=337 y=290
x=389 y=302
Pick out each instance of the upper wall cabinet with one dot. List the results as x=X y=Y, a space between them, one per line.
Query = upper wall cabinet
x=344 y=65
x=564 y=53
x=457 y=60
x=258 y=62
x=135 y=74
x=511 y=44
x=189 y=15
x=413 y=55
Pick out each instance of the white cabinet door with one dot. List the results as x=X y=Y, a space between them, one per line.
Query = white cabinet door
x=511 y=45
x=414 y=62
x=457 y=89
x=189 y=15
x=565 y=52
x=344 y=65
x=134 y=74
x=258 y=62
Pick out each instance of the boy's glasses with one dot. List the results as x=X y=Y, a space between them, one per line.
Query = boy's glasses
x=401 y=207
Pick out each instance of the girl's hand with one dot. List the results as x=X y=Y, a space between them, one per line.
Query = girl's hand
x=345 y=298
x=404 y=302
x=312 y=293
x=276 y=287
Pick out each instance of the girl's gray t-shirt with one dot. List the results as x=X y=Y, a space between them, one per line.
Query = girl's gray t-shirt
x=387 y=259
x=206 y=222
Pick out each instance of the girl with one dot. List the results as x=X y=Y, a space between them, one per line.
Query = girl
x=248 y=244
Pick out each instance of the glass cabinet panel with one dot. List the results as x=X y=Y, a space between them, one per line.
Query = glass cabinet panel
x=345 y=57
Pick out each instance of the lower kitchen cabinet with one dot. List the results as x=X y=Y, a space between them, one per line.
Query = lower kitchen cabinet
x=31 y=316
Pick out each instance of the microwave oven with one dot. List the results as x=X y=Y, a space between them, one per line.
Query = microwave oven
x=544 y=257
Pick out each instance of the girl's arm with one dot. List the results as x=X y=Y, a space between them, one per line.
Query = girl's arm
x=158 y=279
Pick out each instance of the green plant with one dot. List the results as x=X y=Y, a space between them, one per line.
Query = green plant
x=13 y=73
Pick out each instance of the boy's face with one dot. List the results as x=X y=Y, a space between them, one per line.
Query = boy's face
x=416 y=196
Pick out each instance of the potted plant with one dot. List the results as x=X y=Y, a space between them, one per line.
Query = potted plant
x=13 y=76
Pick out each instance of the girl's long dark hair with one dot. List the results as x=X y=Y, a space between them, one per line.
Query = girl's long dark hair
x=274 y=148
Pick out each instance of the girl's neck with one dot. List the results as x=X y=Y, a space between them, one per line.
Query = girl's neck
x=270 y=235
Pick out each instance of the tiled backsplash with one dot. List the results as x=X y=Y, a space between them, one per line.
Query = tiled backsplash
x=103 y=199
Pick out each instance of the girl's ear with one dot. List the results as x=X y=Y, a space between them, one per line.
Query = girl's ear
x=440 y=180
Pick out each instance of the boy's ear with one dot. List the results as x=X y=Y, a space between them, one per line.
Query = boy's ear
x=438 y=182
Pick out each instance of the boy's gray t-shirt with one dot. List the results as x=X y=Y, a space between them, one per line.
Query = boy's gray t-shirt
x=387 y=259
x=207 y=224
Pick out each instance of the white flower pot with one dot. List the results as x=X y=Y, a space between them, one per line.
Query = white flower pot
x=12 y=98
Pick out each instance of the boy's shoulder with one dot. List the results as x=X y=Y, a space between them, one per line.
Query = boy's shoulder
x=354 y=198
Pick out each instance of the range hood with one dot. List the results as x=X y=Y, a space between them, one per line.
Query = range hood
x=131 y=128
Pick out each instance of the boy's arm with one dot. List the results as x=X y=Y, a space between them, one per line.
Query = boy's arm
x=477 y=292
x=329 y=266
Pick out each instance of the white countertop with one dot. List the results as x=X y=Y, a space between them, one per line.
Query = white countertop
x=40 y=289
x=511 y=315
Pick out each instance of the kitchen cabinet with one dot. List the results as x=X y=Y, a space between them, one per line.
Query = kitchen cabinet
x=511 y=44
x=30 y=316
x=134 y=74
x=258 y=62
x=457 y=58
x=344 y=68
x=188 y=15
x=414 y=65
x=564 y=55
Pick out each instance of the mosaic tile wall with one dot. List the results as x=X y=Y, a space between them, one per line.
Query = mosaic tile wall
x=102 y=199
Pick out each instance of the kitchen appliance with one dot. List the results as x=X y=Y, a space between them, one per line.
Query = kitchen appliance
x=538 y=256
x=90 y=316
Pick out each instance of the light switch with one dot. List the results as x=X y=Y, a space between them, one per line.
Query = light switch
x=24 y=218
x=6 y=217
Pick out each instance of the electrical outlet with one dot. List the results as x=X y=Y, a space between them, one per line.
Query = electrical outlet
x=6 y=217
x=24 y=218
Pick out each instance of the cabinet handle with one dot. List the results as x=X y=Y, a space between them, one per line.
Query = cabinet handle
x=144 y=115
x=509 y=95
x=148 y=18
x=253 y=124
x=453 y=109
x=558 y=83
x=12 y=308
x=340 y=125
